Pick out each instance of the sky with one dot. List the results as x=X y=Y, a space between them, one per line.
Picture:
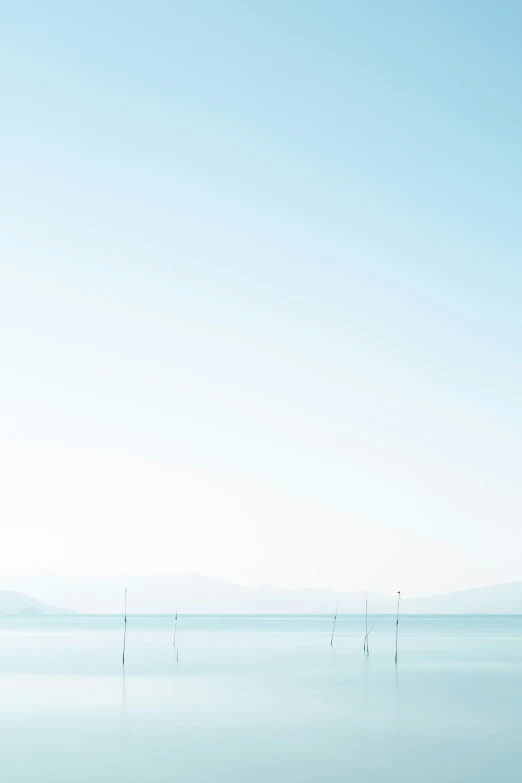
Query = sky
x=260 y=291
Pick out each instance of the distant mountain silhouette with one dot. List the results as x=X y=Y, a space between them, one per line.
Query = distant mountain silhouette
x=12 y=602
x=194 y=593
x=495 y=599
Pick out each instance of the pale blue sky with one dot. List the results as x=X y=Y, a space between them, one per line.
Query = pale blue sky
x=260 y=294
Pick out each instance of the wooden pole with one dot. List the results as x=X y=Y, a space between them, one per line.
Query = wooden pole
x=333 y=629
x=397 y=626
x=366 y=633
x=125 y=627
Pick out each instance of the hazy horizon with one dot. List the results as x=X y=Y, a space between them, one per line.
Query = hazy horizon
x=7 y=577
x=196 y=594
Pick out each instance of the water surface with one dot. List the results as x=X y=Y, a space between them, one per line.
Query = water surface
x=260 y=698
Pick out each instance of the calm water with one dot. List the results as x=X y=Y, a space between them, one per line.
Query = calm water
x=260 y=699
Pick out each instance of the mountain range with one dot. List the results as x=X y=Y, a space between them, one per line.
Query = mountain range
x=194 y=593
x=13 y=602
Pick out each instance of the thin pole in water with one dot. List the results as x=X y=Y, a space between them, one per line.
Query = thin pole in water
x=367 y=638
x=175 y=626
x=125 y=627
x=397 y=625
x=333 y=629
x=366 y=633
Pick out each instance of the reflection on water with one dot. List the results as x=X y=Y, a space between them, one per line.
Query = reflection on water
x=123 y=702
x=260 y=699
